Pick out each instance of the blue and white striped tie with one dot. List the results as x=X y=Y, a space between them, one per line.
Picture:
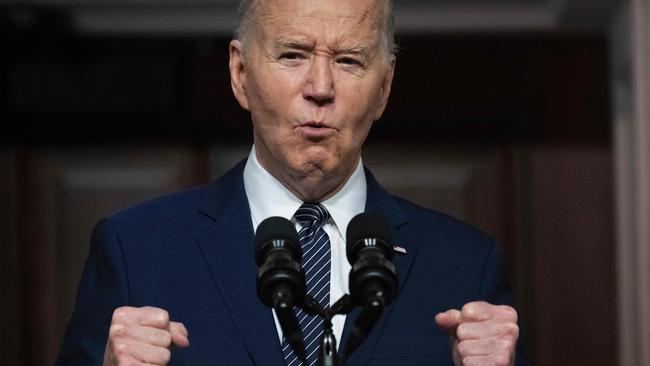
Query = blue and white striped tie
x=316 y=258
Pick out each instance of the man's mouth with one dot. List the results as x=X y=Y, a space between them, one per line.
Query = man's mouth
x=315 y=130
x=314 y=124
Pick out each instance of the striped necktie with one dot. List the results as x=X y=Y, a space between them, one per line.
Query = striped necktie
x=316 y=260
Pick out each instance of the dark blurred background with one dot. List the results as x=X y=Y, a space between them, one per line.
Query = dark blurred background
x=519 y=117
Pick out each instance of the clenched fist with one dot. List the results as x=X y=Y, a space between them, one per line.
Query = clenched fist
x=481 y=334
x=142 y=336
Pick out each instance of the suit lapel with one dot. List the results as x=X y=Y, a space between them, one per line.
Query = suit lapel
x=226 y=241
x=380 y=201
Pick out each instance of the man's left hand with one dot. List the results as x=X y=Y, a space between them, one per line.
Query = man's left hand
x=481 y=334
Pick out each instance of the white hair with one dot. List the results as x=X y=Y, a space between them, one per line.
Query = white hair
x=246 y=24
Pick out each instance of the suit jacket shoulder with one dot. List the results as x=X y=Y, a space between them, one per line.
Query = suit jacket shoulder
x=191 y=253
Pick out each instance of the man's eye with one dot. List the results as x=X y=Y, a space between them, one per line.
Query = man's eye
x=292 y=56
x=349 y=61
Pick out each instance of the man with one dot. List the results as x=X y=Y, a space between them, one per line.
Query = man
x=315 y=75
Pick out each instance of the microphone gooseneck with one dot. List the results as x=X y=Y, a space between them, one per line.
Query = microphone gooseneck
x=280 y=278
x=373 y=278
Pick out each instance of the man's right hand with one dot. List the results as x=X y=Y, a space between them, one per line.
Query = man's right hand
x=142 y=336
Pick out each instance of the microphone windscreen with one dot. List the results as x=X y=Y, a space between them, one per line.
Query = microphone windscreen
x=276 y=228
x=367 y=225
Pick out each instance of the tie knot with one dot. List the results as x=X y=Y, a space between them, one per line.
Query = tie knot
x=310 y=214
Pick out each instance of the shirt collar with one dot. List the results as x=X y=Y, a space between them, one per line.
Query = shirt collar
x=268 y=197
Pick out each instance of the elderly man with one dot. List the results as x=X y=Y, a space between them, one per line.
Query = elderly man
x=315 y=75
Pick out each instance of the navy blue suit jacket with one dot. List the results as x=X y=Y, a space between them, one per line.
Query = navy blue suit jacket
x=191 y=253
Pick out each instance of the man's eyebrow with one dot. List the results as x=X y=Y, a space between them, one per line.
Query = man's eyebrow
x=355 y=50
x=293 y=44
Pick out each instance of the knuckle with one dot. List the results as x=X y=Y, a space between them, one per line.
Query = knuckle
x=116 y=330
x=162 y=315
x=166 y=355
x=149 y=309
x=510 y=312
x=462 y=331
x=119 y=349
x=462 y=347
x=166 y=339
x=512 y=329
x=507 y=344
x=468 y=310
x=180 y=327
x=120 y=314
x=502 y=360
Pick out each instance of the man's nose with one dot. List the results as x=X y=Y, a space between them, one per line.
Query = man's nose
x=319 y=86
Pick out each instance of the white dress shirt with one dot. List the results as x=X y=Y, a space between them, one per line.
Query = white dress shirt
x=268 y=197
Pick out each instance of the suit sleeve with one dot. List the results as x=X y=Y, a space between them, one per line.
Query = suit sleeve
x=495 y=289
x=103 y=287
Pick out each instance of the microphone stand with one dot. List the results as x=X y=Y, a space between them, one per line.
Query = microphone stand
x=344 y=305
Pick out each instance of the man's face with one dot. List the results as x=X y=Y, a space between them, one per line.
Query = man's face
x=314 y=78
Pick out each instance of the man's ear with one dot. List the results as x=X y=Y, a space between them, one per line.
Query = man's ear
x=386 y=84
x=238 y=73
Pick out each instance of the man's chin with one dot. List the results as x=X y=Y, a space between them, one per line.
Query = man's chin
x=313 y=170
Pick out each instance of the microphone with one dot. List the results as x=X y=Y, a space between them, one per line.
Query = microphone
x=373 y=278
x=280 y=278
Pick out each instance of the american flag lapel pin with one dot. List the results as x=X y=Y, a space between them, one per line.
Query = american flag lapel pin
x=399 y=249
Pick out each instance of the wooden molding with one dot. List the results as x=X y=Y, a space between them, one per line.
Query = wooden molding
x=629 y=40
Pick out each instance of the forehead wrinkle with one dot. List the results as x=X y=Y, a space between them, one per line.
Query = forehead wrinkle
x=371 y=13
x=268 y=15
x=290 y=36
x=352 y=20
x=355 y=30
